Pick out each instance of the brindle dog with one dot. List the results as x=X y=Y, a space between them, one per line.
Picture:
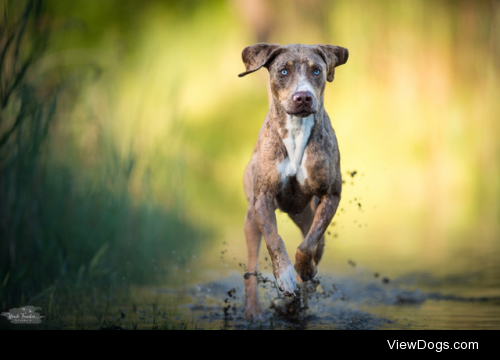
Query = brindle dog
x=295 y=165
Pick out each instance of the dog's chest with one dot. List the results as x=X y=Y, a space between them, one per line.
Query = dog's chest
x=298 y=131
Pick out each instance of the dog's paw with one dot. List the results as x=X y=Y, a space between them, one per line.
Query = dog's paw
x=286 y=281
x=305 y=266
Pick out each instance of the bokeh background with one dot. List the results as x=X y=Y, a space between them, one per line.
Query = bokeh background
x=125 y=131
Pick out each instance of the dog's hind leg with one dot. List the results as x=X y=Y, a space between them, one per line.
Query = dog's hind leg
x=253 y=238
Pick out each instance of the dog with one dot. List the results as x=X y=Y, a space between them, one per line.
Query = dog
x=295 y=164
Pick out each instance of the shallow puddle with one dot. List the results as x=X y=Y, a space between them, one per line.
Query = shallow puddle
x=359 y=299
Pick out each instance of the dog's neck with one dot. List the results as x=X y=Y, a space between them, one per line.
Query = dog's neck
x=294 y=132
x=282 y=122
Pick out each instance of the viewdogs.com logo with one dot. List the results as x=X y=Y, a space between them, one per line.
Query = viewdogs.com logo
x=24 y=315
x=437 y=346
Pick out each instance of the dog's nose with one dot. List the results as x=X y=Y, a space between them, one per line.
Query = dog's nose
x=303 y=98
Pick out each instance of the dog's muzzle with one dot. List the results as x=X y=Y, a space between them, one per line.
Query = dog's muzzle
x=302 y=104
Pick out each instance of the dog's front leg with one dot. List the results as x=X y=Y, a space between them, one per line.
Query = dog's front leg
x=304 y=263
x=282 y=266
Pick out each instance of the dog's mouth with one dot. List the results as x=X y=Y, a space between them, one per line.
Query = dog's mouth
x=302 y=112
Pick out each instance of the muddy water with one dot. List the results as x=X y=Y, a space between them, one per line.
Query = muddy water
x=351 y=295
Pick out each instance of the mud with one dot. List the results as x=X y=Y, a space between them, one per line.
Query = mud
x=324 y=303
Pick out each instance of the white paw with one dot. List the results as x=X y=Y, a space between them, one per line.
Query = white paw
x=287 y=281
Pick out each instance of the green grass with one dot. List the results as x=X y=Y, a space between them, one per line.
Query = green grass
x=71 y=242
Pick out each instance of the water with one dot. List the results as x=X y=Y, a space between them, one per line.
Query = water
x=353 y=297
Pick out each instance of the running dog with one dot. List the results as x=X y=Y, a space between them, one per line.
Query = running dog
x=295 y=164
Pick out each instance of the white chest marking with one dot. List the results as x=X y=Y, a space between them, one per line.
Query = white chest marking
x=299 y=130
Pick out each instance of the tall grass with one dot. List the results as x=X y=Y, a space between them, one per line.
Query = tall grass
x=62 y=231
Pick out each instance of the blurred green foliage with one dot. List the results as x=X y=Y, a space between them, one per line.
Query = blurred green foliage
x=61 y=228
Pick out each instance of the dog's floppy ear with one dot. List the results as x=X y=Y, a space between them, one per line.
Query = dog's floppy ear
x=258 y=55
x=334 y=56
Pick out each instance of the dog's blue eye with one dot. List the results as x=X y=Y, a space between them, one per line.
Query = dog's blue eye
x=284 y=72
x=316 y=72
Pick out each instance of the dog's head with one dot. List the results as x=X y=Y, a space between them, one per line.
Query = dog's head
x=298 y=72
